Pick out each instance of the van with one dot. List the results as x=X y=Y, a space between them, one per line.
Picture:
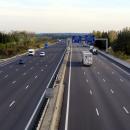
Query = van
x=31 y=52
x=87 y=58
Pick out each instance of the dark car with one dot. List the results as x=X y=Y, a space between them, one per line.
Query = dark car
x=95 y=51
x=21 y=61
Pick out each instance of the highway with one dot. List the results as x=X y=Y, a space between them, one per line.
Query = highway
x=21 y=86
x=96 y=97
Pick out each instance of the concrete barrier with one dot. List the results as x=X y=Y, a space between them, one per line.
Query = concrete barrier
x=122 y=64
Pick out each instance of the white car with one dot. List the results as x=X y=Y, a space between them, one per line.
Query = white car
x=31 y=52
x=42 y=53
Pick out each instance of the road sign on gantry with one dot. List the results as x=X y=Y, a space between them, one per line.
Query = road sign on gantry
x=90 y=39
x=76 y=39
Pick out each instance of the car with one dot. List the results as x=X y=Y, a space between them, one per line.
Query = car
x=31 y=52
x=91 y=47
x=21 y=61
x=95 y=51
x=42 y=53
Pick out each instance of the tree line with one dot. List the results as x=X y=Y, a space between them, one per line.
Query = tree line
x=119 y=41
x=16 y=42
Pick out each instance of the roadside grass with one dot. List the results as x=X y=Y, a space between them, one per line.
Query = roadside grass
x=119 y=55
x=17 y=50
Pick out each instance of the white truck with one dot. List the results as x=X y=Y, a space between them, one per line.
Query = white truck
x=31 y=52
x=87 y=58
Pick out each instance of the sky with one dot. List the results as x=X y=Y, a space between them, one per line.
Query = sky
x=59 y=16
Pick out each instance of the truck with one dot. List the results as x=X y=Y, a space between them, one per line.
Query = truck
x=31 y=52
x=87 y=58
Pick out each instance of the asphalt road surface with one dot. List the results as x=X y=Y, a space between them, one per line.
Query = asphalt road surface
x=21 y=86
x=96 y=97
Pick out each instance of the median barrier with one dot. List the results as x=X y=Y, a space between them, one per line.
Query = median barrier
x=51 y=115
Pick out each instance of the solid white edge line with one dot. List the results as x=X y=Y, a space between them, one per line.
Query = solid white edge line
x=68 y=94
x=35 y=110
x=121 y=69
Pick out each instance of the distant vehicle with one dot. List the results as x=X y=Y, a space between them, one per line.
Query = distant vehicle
x=46 y=45
x=84 y=44
x=31 y=52
x=21 y=61
x=42 y=53
x=94 y=51
x=87 y=58
x=91 y=47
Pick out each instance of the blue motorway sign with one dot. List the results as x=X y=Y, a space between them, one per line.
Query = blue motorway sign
x=90 y=38
x=76 y=39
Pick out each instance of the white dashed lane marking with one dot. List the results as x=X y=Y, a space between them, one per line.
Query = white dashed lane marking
x=87 y=80
x=97 y=112
x=36 y=77
x=121 y=80
x=13 y=82
x=112 y=72
x=31 y=68
x=90 y=92
x=27 y=86
x=12 y=103
x=104 y=80
x=24 y=73
x=127 y=112
x=17 y=69
x=6 y=76
x=98 y=73
x=112 y=91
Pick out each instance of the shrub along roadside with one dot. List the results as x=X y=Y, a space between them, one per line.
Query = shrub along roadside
x=15 y=43
x=119 y=42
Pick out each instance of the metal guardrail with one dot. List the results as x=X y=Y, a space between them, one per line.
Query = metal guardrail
x=33 y=122
x=122 y=64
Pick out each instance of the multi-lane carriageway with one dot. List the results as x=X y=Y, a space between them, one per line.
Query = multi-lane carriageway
x=96 y=97
x=21 y=86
